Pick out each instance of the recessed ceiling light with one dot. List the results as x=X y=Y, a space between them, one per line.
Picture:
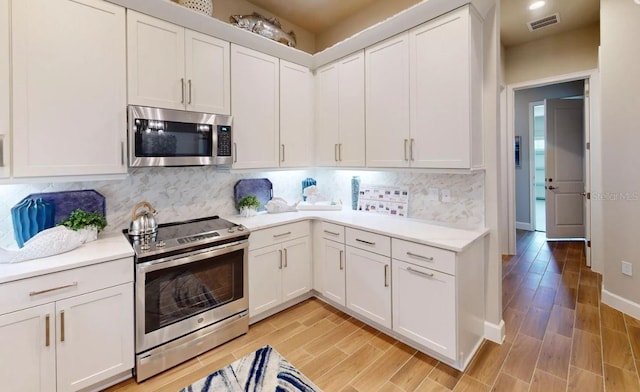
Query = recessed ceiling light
x=536 y=4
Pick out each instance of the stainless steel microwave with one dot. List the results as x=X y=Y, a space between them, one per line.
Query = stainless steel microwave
x=166 y=137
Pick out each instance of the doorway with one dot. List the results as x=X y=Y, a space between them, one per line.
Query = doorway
x=536 y=130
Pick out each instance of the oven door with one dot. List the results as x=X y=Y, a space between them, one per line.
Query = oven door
x=183 y=293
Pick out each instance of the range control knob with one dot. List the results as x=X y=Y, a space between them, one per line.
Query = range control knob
x=160 y=244
x=231 y=230
x=241 y=228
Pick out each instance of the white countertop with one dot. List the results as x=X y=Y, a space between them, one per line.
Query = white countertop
x=414 y=230
x=107 y=247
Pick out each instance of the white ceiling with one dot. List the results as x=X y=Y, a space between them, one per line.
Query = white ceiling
x=514 y=15
x=318 y=15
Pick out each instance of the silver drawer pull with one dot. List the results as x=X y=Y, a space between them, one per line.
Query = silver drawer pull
x=341 y=260
x=1 y=150
x=281 y=235
x=365 y=242
x=427 y=274
x=34 y=293
x=47 y=331
x=331 y=232
x=386 y=275
x=420 y=256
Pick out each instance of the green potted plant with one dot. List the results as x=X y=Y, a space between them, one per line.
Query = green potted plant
x=248 y=206
x=88 y=224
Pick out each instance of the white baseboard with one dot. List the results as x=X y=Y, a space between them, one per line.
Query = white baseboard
x=622 y=304
x=524 y=226
x=494 y=332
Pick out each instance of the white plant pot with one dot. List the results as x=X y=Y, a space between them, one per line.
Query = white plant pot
x=247 y=212
x=88 y=234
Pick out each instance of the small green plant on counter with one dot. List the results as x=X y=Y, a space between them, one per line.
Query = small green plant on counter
x=250 y=201
x=80 y=219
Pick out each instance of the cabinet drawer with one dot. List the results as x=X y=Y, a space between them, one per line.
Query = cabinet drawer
x=424 y=256
x=377 y=243
x=42 y=289
x=332 y=232
x=278 y=234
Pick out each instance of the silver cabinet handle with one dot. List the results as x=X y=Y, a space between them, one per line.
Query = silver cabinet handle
x=280 y=266
x=332 y=232
x=341 y=260
x=189 y=91
x=286 y=257
x=47 y=331
x=413 y=143
x=281 y=235
x=419 y=256
x=235 y=152
x=122 y=147
x=1 y=150
x=405 y=149
x=182 y=90
x=62 y=325
x=386 y=275
x=365 y=242
x=282 y=153
x=340 y=152
x=335 y=152
x=427 y=274
x=34 y=293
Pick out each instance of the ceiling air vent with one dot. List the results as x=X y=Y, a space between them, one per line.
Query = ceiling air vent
x=543 y=22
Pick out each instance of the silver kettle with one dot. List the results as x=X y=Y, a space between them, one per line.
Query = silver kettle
x=143 y=222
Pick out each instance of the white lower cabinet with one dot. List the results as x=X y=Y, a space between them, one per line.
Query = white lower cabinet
x=280 y=271
x=424 y=307
x=368 y=284
x=333 y=271
x=76 y=340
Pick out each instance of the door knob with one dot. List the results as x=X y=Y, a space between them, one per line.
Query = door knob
x=551 y=187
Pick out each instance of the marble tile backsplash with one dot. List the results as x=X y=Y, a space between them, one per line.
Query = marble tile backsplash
x=192 y=192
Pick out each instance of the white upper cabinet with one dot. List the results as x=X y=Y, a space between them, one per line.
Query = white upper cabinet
x=340 y=108
x=446 y=87
x=207 y=73
x=255 y=103
x=424 y=95
x=5 y=107
x=387 y=92
x=296 y=115
x=175 y=68
x=69 y=87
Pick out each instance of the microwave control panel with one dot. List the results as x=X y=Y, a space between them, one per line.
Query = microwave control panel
x=224 y=140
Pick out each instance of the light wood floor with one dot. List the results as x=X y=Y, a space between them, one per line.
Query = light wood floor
x=560 y=337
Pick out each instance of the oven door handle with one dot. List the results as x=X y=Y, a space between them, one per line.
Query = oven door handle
x=191 y=257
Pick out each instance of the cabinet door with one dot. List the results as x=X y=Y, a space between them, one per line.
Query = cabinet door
x=255 y=106
x=155 y=51
x=94 y=337
x=5 y=108
x=28 y=355
x=296 y=115
x=352 y=117
x=296 y=272
x=387 y=92
x=69 y=87
x=207 y=72
x=440 y=92
x=333 y=271
x=424 y=307
x=327 y=116
x=369 y=285
x=265 y=279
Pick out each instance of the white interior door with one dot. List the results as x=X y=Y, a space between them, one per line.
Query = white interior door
x=564 y=168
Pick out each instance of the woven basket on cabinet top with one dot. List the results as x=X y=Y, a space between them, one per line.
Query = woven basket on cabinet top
x=203 y=6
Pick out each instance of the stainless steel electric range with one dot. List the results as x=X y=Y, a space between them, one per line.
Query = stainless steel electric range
x=191 y=290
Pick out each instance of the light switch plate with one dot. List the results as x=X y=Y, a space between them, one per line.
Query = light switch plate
x=627 y=268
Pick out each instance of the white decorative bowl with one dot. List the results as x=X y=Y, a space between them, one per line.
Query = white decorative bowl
x=202 y=6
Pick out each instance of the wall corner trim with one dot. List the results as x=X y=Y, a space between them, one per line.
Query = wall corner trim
x=494 y=332
x=620 y=303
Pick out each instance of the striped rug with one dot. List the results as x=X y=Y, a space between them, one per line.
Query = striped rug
x=264 y=370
